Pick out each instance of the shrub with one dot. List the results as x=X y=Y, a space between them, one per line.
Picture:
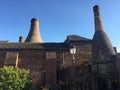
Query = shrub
x=13 y=78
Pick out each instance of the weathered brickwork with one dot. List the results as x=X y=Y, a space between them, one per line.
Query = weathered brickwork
x=49 y=67
x=96 y=67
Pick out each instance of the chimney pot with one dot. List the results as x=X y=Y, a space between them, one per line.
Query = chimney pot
x=21 y=39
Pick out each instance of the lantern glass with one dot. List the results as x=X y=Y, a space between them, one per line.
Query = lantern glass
x=73 y=49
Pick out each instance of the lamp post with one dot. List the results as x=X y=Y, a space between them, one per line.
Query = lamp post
x=73 y=51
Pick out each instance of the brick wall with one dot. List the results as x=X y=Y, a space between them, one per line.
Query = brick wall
x=43 y=64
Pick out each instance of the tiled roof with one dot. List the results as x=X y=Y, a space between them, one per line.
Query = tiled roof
x=10 y=45
x=54 y=45
x=77 y=38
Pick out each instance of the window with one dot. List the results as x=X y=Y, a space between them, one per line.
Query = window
x=11 y=59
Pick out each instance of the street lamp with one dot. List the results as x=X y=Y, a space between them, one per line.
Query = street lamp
x=73 y=51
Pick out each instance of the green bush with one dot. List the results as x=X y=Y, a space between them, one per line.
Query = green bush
x=13 y=78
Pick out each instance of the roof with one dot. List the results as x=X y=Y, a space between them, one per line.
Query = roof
x=33 y=46
x=76 y=38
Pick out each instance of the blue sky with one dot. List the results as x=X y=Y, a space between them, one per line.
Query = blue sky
x=58 y=18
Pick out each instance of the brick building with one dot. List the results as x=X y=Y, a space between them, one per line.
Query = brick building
x=96 y=61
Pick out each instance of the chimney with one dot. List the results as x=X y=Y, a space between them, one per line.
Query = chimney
x=101 y=45
x=21 y=39
x=97 y=18
x=34 y=34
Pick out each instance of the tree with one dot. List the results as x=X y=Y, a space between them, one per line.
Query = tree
x=13 y=78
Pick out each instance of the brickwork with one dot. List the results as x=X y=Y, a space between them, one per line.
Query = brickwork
x=34 y=34
x=97 y=65
x=43 y=64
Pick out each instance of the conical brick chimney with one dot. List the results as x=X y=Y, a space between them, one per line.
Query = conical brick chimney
x=101 y=46
x=34 y=34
